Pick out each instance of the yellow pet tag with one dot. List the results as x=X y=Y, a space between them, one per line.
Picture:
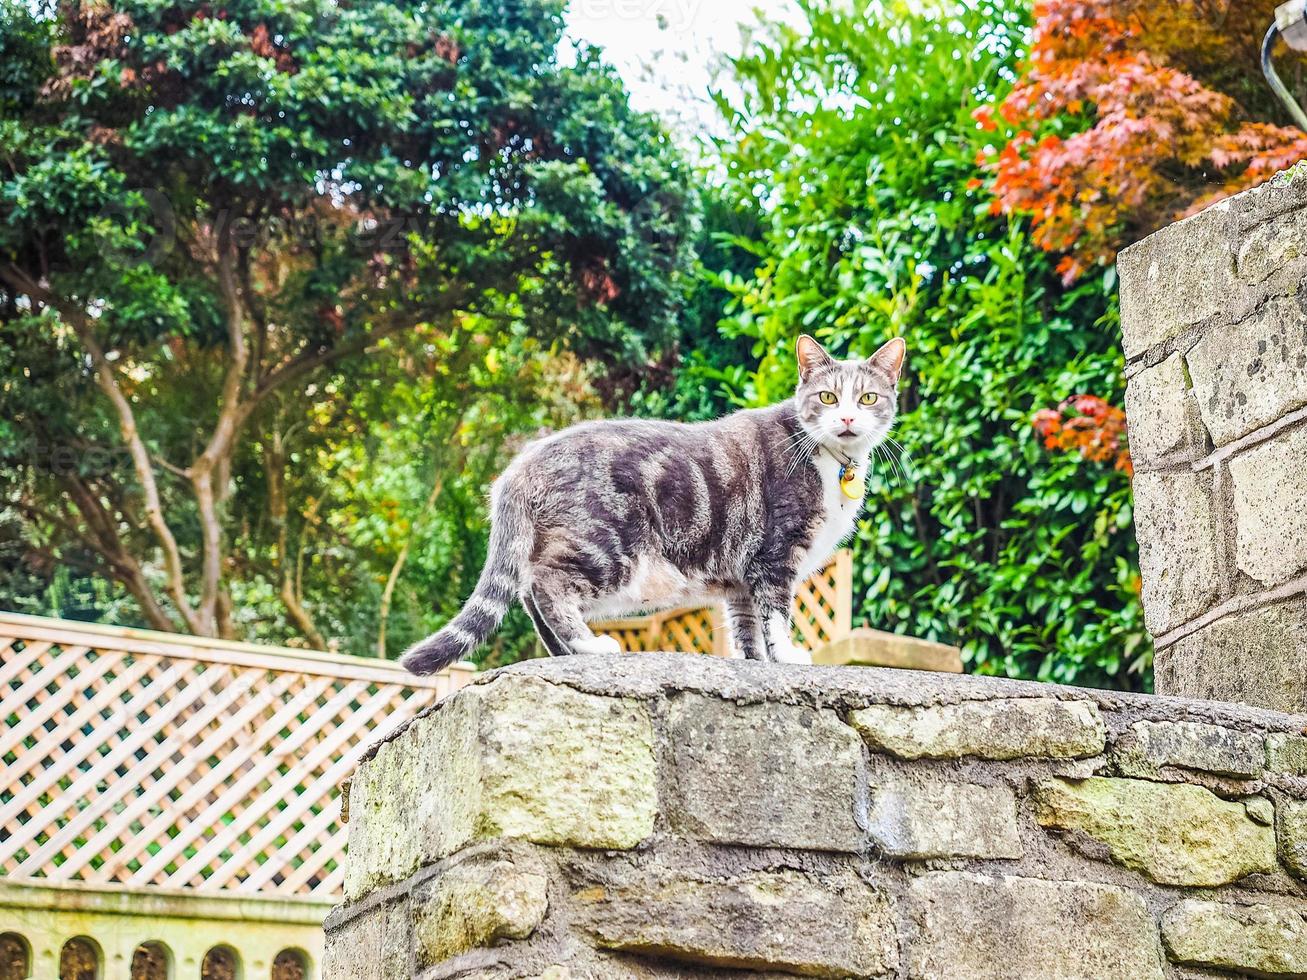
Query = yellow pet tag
x=852 y=485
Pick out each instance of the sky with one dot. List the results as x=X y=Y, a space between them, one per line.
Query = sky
x=665 y=49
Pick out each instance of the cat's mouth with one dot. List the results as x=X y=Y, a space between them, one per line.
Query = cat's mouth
x=846 y=434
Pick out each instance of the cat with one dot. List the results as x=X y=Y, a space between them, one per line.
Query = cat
x=615 y=517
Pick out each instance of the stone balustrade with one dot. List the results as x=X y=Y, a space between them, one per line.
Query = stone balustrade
x=680 y=816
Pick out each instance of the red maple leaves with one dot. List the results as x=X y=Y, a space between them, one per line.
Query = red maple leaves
x=1123 y=120
x=1090 y=426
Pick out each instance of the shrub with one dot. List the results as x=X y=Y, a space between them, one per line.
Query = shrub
x=853 y=137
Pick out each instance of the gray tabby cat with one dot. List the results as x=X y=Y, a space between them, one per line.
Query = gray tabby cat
x=609 y=518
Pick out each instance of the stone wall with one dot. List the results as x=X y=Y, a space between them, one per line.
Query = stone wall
x=1214 y=318
x=676 y=816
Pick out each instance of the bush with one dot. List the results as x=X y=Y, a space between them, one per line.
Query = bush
x=853 y=137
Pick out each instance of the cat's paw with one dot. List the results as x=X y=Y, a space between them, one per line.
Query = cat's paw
x=788 y=653
x=600 y=644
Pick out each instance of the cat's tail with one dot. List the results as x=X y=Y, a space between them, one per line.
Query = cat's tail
x=510 y=541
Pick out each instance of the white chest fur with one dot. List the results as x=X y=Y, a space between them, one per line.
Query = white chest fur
x=839 y=515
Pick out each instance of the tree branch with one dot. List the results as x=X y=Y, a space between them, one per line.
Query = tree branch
x=258 y=313
x=121 y=563
x=274 y=464
x=306 y=361
x=107 y=381
x=209 y=473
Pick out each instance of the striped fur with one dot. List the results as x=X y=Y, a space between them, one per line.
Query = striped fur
x=499 y=585
x=621 y=516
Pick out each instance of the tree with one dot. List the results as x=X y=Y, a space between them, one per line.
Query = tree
x=217 y=220
x=853 y=140
x=1128 y=115
x=695 y=381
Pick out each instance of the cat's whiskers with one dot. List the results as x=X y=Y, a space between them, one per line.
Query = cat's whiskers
x=791 y=455
x=796 y=439
x=798 y=452
x=905 y=457
x=903 y=470
x=795 y=456
x=794 y=449
x=871 y=460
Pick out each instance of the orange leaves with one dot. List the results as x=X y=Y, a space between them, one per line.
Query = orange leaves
x=1139 y=121
x=447 y=49
x=263 y=44
x=1086 y=424
x=596 y=284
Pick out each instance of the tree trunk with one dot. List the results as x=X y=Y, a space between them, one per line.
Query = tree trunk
x=274 y=464
x=245 y=387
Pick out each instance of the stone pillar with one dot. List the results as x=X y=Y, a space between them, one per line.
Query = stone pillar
x=1214 y=321
x=673 y=816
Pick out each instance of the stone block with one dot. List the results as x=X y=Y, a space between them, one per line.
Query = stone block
x=1272 y=248
x=1264 y=940
x=1255 y=657
x=1162 y=412
x=476 y=903
x=1005 y=728
x=515 y=758
x=1175 y=834
x=1175 y=279
x=1249 y=374
x=1177 y=546
x=1152 y=747
x=984 y=928
x=1270 y=483
x=785 y=921
x=1286 y=753
x=373 y=945
x=1292 y=833
x=1260 y=810
x=924 y=815
x=765 y=775
x=865 y=647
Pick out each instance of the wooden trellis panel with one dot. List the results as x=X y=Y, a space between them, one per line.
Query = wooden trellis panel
x=144 y=759
x=823 y=605
x=823 y=613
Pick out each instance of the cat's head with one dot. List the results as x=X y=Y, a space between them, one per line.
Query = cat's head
x=848 y=405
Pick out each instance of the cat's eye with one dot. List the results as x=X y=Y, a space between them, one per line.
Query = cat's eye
x=868 y=399
x=828 y=398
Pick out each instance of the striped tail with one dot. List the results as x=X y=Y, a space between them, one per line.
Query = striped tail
x=495 y=589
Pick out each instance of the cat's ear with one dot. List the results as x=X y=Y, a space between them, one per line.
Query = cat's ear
x=889 y=358
x=811 y=355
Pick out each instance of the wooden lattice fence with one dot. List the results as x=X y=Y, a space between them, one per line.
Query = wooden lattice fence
x=823 y=613
x=139 y=759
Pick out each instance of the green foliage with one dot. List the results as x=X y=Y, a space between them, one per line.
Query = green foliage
x=432 y=240
x=271 y=274
x=707 y=366
x=853 y=138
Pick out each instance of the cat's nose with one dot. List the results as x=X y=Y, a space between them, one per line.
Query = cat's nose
x=847 y=422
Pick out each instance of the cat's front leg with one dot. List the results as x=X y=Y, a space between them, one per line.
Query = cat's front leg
x=777 y=630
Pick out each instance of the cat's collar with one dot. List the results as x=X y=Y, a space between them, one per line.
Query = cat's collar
x=852 y=483
x=840 y=456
